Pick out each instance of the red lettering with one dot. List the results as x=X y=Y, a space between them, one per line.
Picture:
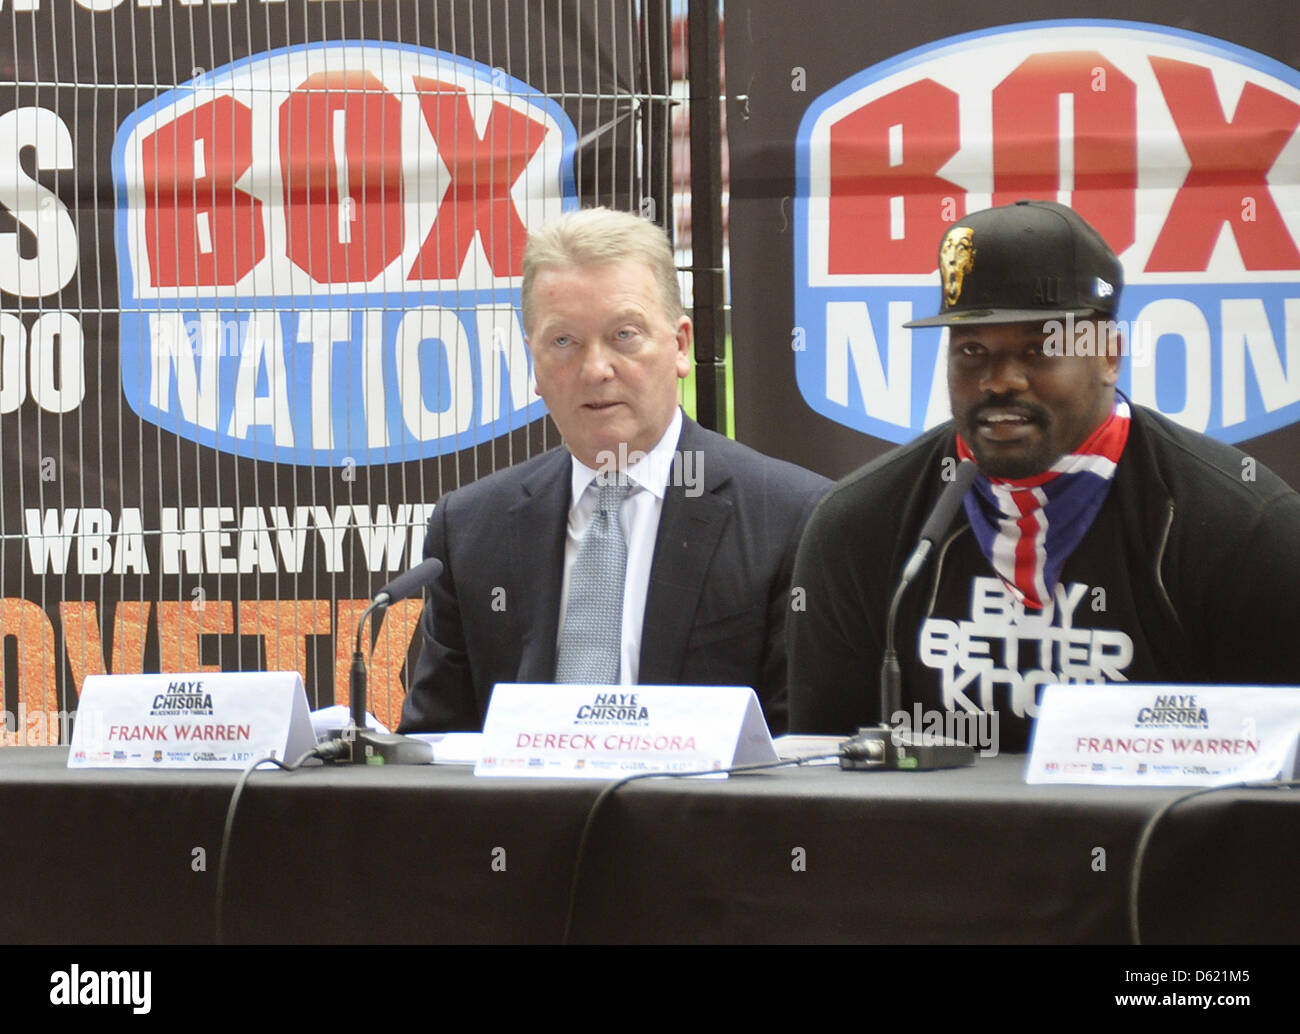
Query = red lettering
x=863 y=236
x=199 y=228
x=1227 y=182
x=566 y=742
x=1027 y=130
x=344 y=220
x=483 y=171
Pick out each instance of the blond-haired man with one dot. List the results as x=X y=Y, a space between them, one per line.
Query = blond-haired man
x=679 y=576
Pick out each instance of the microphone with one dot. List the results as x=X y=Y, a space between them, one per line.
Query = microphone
x=940 y=517
x=881 y=746
x=408 y=583
x=369 y=747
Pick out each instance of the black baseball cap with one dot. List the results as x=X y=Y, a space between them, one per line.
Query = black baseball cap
x=1021 y=263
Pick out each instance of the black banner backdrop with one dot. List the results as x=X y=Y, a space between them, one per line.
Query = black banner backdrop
x=857 y=131
x=259 y=286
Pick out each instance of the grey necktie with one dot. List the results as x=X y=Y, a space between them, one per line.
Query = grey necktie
x=592 y=640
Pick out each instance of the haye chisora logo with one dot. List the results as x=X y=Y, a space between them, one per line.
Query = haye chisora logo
x=1179 y=148
x=319 y=252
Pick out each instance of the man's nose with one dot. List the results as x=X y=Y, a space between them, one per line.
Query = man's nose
x=597 y=362
x=1004 y=374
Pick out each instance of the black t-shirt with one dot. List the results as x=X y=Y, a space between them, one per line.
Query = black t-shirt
x=980 y=649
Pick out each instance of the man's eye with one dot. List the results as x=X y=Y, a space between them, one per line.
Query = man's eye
x=971 y=350
x=562 y=341
x=625 y=334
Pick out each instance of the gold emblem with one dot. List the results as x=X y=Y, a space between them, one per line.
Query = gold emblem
x=956 y=259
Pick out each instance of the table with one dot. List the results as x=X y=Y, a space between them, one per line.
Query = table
x=431 y=854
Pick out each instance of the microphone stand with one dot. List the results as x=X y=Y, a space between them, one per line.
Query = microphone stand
x=881 y=745
x=368 y=746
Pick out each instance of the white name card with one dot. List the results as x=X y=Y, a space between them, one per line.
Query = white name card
x=607 y=732
x=204 y=720
x=1121 y=734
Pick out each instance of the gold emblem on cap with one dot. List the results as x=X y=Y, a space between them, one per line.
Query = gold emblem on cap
x=956 y=259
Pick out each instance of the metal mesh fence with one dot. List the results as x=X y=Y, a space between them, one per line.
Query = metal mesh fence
x=259 y=283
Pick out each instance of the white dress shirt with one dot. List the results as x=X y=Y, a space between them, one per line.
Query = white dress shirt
x=639 y=519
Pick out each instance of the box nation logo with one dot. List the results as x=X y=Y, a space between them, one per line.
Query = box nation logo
x=319 y=252
x=1181 y=149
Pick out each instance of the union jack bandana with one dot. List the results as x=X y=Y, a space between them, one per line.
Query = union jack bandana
x=1027 y=527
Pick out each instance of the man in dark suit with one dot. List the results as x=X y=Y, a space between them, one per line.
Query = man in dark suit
x=705 y=533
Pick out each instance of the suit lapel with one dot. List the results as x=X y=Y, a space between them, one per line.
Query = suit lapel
x=690 y=528
x=539 y=520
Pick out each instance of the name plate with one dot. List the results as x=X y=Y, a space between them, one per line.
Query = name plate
x=204 y=720
x=544 y=730
x=1121 y=734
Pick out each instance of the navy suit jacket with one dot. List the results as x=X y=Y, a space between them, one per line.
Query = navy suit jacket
x=715 y=606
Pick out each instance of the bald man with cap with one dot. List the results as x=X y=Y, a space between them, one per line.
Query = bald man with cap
x=1100 y=541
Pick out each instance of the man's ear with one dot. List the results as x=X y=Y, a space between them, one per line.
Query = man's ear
x=1110 y=347
x=1111 y=357
x=685 y=332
